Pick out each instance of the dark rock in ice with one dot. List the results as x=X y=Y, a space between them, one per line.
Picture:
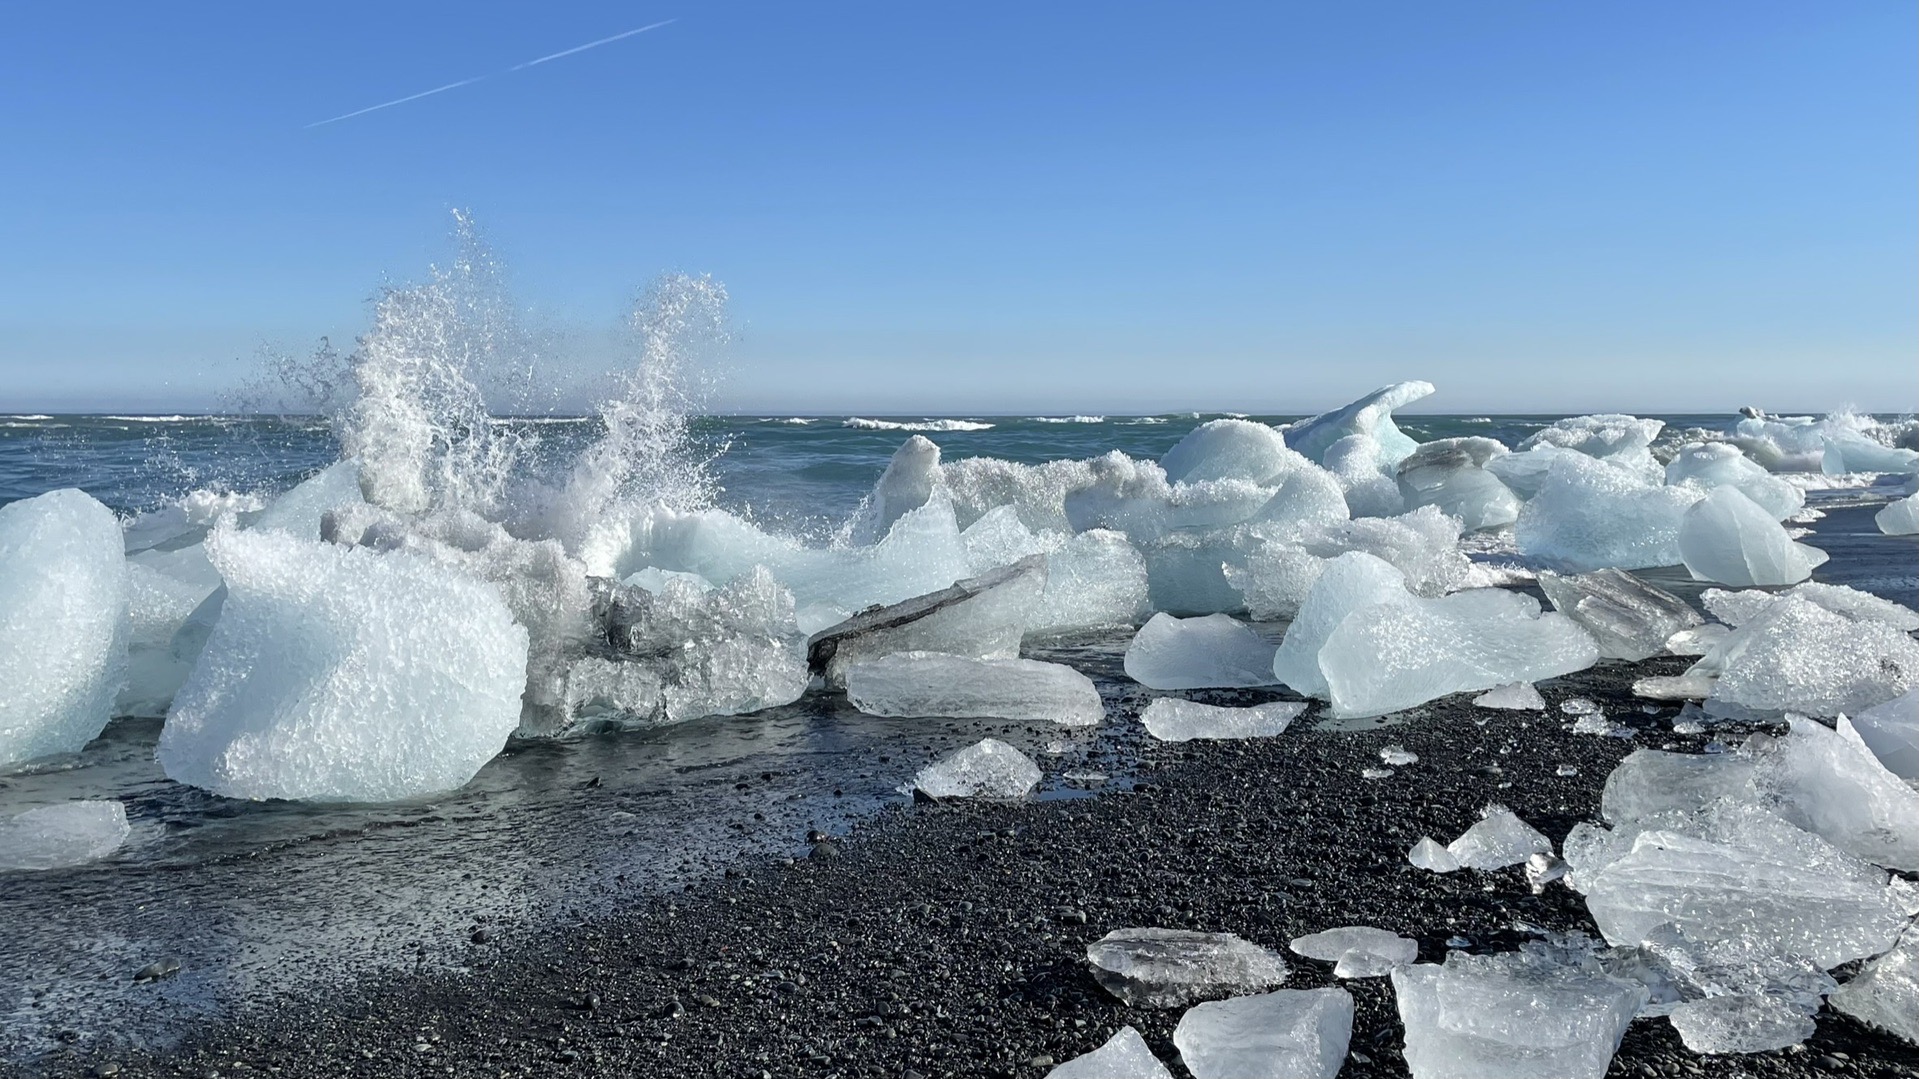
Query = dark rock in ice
x=982 y=617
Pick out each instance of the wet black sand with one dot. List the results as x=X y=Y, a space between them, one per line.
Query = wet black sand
x=949 y=940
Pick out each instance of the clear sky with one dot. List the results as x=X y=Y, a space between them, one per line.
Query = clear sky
x=933 y=207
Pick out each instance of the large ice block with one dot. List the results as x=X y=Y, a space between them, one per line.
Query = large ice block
x=1726 y=537
x=1450 y=475
x=1511 y=1016
x=1796 y=655
x=906 y=485
x=1371 y=416
x=1285 y=1034
x=1589 y=514
x=983 y=617
x=1900 y=518
x=1885 y=994
x=63 y=623
x=340 y=674
x=936 y=684
x=1623 y=441
x=1829 y=783
x=1231 y=450
x=1349 y=583
x=1214 y=651
x=1706 y=465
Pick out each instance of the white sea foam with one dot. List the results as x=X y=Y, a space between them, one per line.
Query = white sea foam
x=864 y=424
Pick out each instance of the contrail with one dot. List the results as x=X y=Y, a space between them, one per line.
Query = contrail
x=477 y=78
x=590 y=45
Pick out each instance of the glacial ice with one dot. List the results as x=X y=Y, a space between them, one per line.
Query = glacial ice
x=300 y=511
x=1697 y=641
x=1037 y=493
x=63 y=623
x=1899 y=518
x=1891 y=731
x=1696 y=969
x=1651 y=782
x=1847 y=453
x=1726 y=537
x=339 y=674
x=1524 y=473
x=1629 y=618
x=1796 y=655
x=164 y=589
x=1829 y=783
x=1094 y=579
x=1403 y=653
x=1231 y=450
x=906 y=485
x=1885 y=994
x=1589 y=514
x=1429 y=854
x=1285 y=1034
x=66 y=834
x=1512 y=697
x=1170 y=719
x=989 y=768
x=918 y=684
x=1168 y=968
x=1358 y=464
x=1622 y=441
x=1707 y=465
x=982 y=617
x=1280 y=566
x=1371 y=416
x=1358 y=951
x=1738 y=608
x=1349 y=583
x=1497 y=840
x=1511 y=1016
x=1450 y=475
x=1124 y=1056
x=1746 y=1023
x=1135 y=497
x=1214 y=651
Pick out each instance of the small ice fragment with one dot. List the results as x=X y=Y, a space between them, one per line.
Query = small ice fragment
x=1579 y=706
x=1167 y=968
x=1285 y=1034
x=1359 y=951
x=1511 y=1016
x=1214 y=651
x=1429 y=854
x=988 y=768
x=1745 y=1023
x=1499 y=839
x=1124 y=1056
x=56 y=836
x=1517 y=696
x=1542 y=869
x=1398 y=756
x=1593 y=723
x=1376 y=773
x=936 y=684
x=1172 y=720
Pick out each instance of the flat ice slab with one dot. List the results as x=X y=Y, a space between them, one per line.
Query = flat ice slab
x=1167 y=968
x=1511 y=1017
x=1212 y=652
x=988 y=768
x=1358 y=951
x=56 y=836
x=1170 y=719
x=1886 y=993
x=1743 y=1023
x=1285 y=1034
x=936 y=684
x=983 y=617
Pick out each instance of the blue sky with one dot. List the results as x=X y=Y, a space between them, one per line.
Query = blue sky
x=928 y=207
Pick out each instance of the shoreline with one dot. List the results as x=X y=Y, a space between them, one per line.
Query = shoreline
x=949 y=939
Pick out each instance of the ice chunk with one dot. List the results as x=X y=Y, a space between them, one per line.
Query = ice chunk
x=1524 y=473
x=164 y=588
x=906 y=485
x=1168 y=968
x=1652 y=782
x=1628 y=617
x=63 y=623
x=299 y=511
x=1511 y=1016
x=1622 y=441
x=1847 y=453
x=1450 y=475
x=1400 y=654
x=1037 y=493
x=935 y=684
x=1136 y=498
x=1830 y=784
x=340 y=674
x=57 y=836
x=1231 y=450
x=1748 y=1023
x=1886 y=993
x=1726 y=537
x=1398 y=756
x=1590 y=515
x=1349 y=583
x=1094 y=579
x=1738 y=608
x=1900 y=518
x=983 y=617
x=1428 y=854
x=989 y=768
x=1124 y=1056
x=1498 y=840
x=1172 y=720
x=1513 y=697
x=1285 y=1034
x=1215 y=651
x=1697 y=641
x=1891 y=731
x=1358 y=951
x=1706 y=465
x=1280 y=567
x=1360 y=466
x=1370 y=416
x=1798 y=656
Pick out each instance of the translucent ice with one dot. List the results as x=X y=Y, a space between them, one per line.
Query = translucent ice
x=164 y=588
x=1747 y=1023
x=988 y=768
x=983 y=617
x=1124 y=1056
x=1900 y=518
x=1280 y=566
x=1847 y=453
x=1796 y=655
x=1215 y=651
x=1498 y=840
x=1231 y=450
x=1514 y=696
x=1738 y=608
x=1623 y=441
x=1404 y=653
x=1450 y=475
x=1726 y=537
x=1628 y=617
x=299 y=511
x=1706 y=465
x=1365 y=475
x=1827 y=782
x=1589 y=515
x=1511 y=1016
x=935 y=684
x=1094 y=579
x=1371 y=416
x=1891 y=731
x=906 y=485
x=339 y=674
x=1429 y=854
x=63 y=623
x=56 y=836
x=1167 y=968
x=1285 y=1034
x=1358 y=951
x=1136 y=498
x=1349 y=583
x=1886 y=993
x=1651 y=782
x=1172 y=720
x=1037 y=493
